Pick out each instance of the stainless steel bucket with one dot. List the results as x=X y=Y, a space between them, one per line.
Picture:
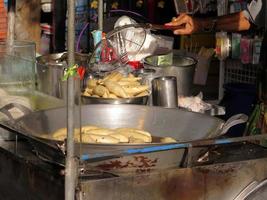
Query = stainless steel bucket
x=50 y=70
x=174 y=64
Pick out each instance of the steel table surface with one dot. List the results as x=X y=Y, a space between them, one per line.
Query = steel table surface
x=223 y=176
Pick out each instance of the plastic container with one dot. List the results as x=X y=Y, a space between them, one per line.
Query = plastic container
x=46 y=39
x=246 y=50
x=256 y=50
x=222 y=45
x=17 y=65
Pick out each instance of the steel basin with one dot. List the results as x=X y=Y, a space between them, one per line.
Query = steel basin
x=174 y=64
x=50 y=71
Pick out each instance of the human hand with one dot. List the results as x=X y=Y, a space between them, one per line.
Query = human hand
x=190 y=24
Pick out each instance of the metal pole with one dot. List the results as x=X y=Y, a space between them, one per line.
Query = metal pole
x=71 y=165
x=11 y=22
x=100 y=14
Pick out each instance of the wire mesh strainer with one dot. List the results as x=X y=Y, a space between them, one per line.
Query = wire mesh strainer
x=118 y=47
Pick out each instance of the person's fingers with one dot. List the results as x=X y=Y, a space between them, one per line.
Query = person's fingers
x=175 y=19
x=179 y=17
x=184 y=19
x=183 y=31
x=188 y=29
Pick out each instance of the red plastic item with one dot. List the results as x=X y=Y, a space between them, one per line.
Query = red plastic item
x=81 y=72
x=135 y=64
x=107 y=53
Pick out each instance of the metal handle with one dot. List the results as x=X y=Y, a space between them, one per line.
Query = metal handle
x=232 y=121
x=5 y=110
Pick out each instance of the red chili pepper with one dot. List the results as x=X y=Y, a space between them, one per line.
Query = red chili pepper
x=81 y=71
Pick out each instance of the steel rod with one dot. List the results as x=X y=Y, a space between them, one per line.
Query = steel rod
x=71 y=167
x=100 y=14
x=11 y=22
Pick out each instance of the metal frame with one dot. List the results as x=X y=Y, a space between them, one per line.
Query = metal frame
x=71 y=161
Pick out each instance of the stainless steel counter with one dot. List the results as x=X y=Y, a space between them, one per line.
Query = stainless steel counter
x=225 y=173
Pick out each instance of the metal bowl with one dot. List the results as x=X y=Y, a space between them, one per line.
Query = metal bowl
x=96 y=100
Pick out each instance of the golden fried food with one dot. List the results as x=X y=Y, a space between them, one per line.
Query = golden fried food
x=112 y=96
x=95 y=134
x=100 y=90
x=133 y=91
x=116 y=89
x=132 y=133
x=104 y=139
x=115 y=85
x=92 y=83
x=167 y=140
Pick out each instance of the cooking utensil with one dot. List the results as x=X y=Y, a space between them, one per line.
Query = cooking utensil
x=50 y=70
x=174 y=64
x=162 y=27
x=161 y=122
x=164 y=91
x=123 y=43
x=147 y=75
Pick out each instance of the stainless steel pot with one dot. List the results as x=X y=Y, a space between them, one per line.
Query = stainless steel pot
x=174 y=64
x=50 y=70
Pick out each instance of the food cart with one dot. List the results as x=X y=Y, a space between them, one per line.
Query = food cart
x=199 y=164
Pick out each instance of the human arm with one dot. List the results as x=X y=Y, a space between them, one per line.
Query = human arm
x=233 y=22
